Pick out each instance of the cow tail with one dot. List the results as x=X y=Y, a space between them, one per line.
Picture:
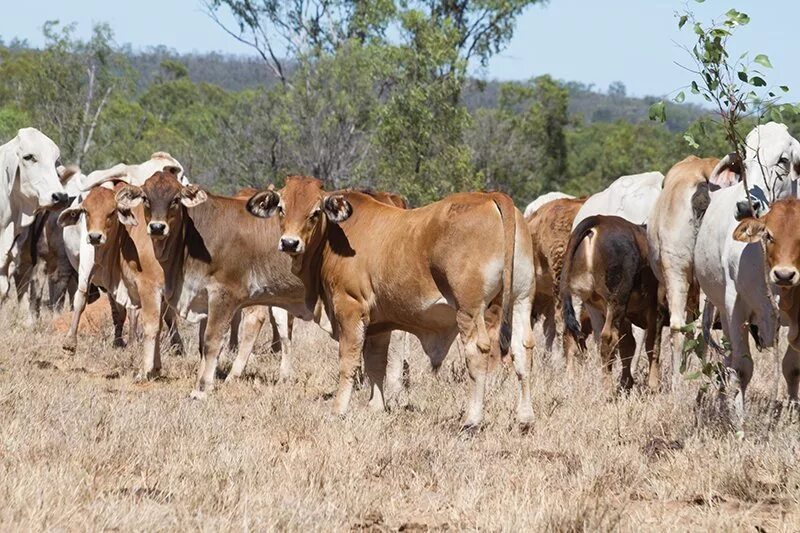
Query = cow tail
x=508 y=215
x=567 y=309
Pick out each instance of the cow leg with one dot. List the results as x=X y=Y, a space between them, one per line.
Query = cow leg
x=609 y=339
x=740 y=363
x=220 y=311
x=477 y=345
x=71 y=341
x=6 y=259
x=352 y=328
x=252 y=320
x=236 y=322
x=201 y=337
x=396 y=367
x=653 y=347
x=175 y=340
x=791 y=371
x=281 y=323
x=677 y=292
x=627 y=351
x=118 y=316
x=521 y=348
x=376 y=352
x=133 y=326
x=151 y=322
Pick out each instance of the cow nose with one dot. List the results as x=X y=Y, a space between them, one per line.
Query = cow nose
x=157 y=228
x=784 y=276
x=95 y=237
x=60 y=198
x=289 y=244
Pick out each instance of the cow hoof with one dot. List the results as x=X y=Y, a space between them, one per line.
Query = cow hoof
x=198 y=395
x=70 y=345
x=118 y=343
x=525 y=419
x=376 y=406
x=231 y=377
x=469 y=430
x=286 y=377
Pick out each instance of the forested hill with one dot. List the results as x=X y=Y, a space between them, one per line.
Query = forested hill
x=586 y=102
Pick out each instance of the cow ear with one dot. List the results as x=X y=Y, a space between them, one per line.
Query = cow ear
x=264 y=204
x=192 y=196
x=337 y=208
x=727 y=172
x=70 y=216
x=750 y=230
x=129 y=197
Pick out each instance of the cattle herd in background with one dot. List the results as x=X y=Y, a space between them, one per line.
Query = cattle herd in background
x=617 y=266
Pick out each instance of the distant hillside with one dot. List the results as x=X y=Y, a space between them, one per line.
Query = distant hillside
x=236 y=73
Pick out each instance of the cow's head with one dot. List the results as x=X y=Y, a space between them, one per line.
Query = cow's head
x=31 y=169
x=163 y=198
x=778 y=231
x=772 y=167
x=99 y=208
x=304 y=209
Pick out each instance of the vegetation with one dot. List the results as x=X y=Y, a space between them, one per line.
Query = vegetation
x=343 y=102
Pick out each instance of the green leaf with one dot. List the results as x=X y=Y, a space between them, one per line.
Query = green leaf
x=695 y=88
x=763 y=60
x=694 y=375
x=758 y=81
x=688 y=328
x=742 y=75
x=784 y=88
x=658 y=111
x=682 y=21
x=679 y=98
x=690 y=140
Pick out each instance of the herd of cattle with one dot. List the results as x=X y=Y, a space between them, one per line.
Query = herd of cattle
x=361 y=264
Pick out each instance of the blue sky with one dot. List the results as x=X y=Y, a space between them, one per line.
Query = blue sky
x=633 y=41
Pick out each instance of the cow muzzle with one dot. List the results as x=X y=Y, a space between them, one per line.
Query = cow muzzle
x=158 y=229
x=785 y=276
x=95 y=238
x=291 y=245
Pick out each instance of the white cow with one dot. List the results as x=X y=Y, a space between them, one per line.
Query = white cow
x=628 y=197
x=543 y=199
x=671 y=233
x=730 y=272
x=136 y=174
x=29 y=182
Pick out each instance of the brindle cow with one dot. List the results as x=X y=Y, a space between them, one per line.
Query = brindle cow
x=216 y=258
x=606 y=266
x=125 y=266
x=550 y=227
x=459 y=266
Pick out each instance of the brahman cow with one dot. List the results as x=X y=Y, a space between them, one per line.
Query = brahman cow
x=630 y=197
x=606 y=266
x=671 y=234
x=542 y=200
x=29 y=184
x=462 y=265
x=730 y=272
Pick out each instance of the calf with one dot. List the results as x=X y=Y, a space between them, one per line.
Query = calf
x=777 y=233
x=459 y=266
x=216 y=259
x=606 y=266
x=124 y=266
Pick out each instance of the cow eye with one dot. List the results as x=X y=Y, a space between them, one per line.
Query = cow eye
x=146 y=202
x=29 y=157
x=784 y=162
x=768 y=237
x=315 y=214
x=281 y=212
x=175 y=201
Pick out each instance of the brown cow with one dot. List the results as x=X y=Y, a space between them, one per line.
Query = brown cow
x=216 y=258
x=777 y=230
x=125 y=266
x=550 y=227
x=437 y=271
x=606 y=266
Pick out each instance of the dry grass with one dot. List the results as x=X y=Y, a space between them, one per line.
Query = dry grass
x=83 y=447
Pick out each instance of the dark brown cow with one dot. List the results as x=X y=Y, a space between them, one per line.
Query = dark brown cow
x=437 y=271
x=125 y=266
x=606 y=266
x=550 y=227
x=216 y=258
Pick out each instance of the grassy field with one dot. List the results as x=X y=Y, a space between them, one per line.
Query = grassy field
x=84 y=447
